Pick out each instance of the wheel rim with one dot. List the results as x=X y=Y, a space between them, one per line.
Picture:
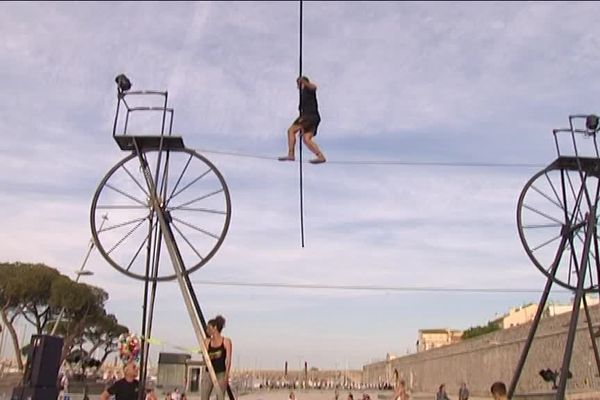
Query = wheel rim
x=552 y=204
x=193 y=192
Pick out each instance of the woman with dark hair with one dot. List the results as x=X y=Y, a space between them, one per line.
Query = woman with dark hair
x=441 y=393
x=219 y=351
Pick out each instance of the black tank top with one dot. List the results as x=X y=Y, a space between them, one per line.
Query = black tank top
x=217 y=356
x=308 y=102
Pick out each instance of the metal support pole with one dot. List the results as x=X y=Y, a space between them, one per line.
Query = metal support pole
x=144 y=346
x=564 y=371
x=537 y=318
x=178 y=266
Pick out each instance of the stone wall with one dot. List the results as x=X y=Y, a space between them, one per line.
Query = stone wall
x=482 y=360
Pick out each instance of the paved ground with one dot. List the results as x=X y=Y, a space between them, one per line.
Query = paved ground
x=6 y=390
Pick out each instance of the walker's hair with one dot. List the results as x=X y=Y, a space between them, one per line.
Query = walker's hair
x=304 y=78
x=218 y=322
x=498 y=388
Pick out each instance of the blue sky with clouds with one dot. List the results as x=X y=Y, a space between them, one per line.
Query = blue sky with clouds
x=404 y=81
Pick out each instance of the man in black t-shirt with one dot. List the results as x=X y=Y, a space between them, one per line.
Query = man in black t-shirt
x=307 y=123
x=126 y=388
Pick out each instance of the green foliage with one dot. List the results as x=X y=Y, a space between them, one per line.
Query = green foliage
x=39 y=293
x=26 y=288
x=481 y=330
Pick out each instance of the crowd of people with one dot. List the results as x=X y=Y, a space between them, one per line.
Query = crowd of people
x=497 y=390
x=219 y=350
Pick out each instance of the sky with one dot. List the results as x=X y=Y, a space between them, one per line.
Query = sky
x=418 y=82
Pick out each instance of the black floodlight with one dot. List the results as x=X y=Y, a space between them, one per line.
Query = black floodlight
x=123 y=83
x=591 y=122
x=549 y=376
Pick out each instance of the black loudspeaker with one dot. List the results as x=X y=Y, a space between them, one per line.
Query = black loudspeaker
x=34 y=393
x=43 y=362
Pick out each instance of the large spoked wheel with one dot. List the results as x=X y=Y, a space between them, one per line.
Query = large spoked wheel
x=551 y=219
x=192 y=194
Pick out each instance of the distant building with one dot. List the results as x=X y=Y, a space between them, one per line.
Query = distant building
x=517 y=316
x=526 y=313
x=557 y=309
x=433 y=338
x=177 y=370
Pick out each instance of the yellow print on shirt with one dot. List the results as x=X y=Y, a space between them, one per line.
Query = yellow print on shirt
x=215 y=354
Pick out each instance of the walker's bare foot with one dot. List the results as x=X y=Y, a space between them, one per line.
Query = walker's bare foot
x=286 y=158
x=319 y=160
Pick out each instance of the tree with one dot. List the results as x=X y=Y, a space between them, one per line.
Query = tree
x=83 y=305
x=481 y=330
x=34 y=283
x=38 y=292
x=10 y=305
x=104 y=334
x=9 y=309
x=25 y=290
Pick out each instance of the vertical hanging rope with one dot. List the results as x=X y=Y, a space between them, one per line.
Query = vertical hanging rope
x=301 y=135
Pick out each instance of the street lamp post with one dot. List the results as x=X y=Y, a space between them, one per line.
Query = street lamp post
x=79 y=273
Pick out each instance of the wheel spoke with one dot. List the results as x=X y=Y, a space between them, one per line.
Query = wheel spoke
x=545 y=243
x=551 y=200
x=187 y=241
x=542 y=214
x=126 y=194
x=137 y=253
x=125 y=237
x=179 y=179
x=206 y=210
x=196 y=228
x=196 y=199
x=120 y=207
x=190 y=184
x=133 y=221
x=135 y=180
x=554 y=190
x=542 y=226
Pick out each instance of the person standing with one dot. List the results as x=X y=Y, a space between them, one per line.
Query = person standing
x=307 y=123
x=176 y=395
x=220 y=353
x=400 y=391
x=463 y=392
x=441 y=393
x=150 y=395
x=126 y=388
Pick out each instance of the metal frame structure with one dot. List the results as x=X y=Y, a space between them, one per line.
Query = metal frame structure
x=557 y=217
x=159 y=215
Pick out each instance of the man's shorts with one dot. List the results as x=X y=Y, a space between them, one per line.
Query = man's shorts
x=309 y=123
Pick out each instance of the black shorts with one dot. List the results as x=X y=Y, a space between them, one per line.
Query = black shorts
x=309 y=123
